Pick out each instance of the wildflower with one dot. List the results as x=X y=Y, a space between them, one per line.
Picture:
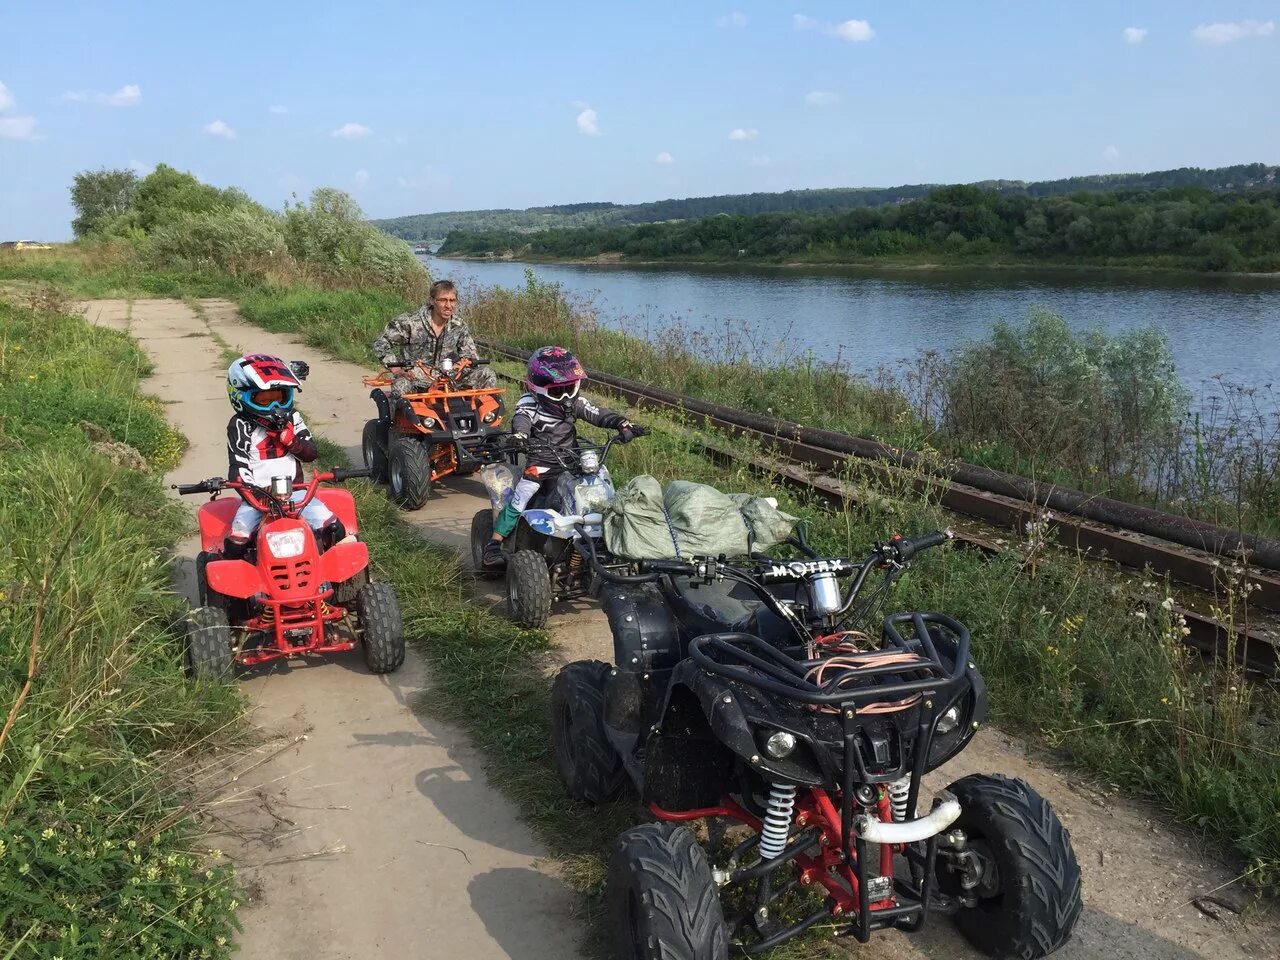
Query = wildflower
x=24 y=869
x=1168 y=603
x=47 y=833
x=1165 y=701
x=1140 y=614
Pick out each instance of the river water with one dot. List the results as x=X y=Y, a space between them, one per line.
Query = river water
x=1226 y=327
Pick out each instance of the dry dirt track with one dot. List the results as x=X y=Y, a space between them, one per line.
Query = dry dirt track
x=435 y=863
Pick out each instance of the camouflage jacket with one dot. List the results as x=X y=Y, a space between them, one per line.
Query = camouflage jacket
x=409 y=337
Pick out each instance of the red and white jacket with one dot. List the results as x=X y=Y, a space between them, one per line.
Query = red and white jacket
x=249 y=443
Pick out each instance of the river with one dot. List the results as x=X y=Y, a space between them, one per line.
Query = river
x=1225 y=327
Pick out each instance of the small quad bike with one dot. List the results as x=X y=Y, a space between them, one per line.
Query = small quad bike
x=545 y=562
x=421 y=438
x=286 y=598
x=741 y=694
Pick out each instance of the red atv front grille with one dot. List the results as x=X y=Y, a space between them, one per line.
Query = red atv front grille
x=291 y=577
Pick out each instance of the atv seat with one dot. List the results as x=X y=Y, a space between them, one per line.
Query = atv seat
x=722 y=606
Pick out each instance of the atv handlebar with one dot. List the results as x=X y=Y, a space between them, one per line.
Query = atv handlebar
x=261 y=498
x=900 y=549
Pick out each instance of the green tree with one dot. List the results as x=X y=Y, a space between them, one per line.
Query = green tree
x=100 y=196
x=166 y=194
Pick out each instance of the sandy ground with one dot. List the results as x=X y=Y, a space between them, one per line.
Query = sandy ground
x=430 y=861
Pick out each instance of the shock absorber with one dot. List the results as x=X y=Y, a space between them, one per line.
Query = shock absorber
x=899 y=791
x=777 y=820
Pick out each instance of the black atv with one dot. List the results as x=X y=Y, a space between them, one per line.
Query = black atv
x=741 y=693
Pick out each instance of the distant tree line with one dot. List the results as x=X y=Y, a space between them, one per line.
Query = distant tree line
x=1181 y=226
x=436 y=226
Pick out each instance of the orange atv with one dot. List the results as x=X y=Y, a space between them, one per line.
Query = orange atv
x=420 y=438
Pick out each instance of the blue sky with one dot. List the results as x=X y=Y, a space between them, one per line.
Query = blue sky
x=426 y=106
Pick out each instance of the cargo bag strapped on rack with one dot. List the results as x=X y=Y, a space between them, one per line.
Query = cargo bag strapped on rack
x=645 y=522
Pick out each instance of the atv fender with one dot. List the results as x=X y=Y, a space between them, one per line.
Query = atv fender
x=343 y=561
x=384 y=405
x=215 y=522
x=646 y=645
x=234 y=578
x=343 y=506
x=729 y=711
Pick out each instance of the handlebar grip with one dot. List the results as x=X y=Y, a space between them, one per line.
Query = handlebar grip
x=668 y=566
x=345 y=473
x=906 y=549
x=185 y=488
x=480 y=363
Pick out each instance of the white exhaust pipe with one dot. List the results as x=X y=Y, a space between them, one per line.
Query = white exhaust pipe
x=909 y=831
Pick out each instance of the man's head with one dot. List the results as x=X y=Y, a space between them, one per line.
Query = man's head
x=444 y=300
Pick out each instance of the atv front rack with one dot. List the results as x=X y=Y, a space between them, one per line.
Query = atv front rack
x=906 y=673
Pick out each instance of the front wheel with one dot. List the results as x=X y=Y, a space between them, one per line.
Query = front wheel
x=1029 y=893
x=373 y=444
x=663 y=902
x=409 y=476
x=589 y=766
x=208 y=653
x=383 y=630
x=528 y=589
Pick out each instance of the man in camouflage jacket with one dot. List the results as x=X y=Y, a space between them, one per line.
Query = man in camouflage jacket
x=430 y=334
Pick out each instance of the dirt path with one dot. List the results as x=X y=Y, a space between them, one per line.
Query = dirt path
x=380 y=781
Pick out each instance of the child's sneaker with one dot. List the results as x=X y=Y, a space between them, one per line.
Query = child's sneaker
x=492 y=556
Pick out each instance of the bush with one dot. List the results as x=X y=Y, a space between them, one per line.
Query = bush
x=331 y=233
x=243 y=240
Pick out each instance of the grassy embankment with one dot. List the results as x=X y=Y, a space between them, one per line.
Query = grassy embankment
x=98 y=856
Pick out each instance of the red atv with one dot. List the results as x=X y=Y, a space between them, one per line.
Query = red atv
x=286 y=598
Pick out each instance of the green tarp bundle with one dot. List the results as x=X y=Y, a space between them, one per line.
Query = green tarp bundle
x=645 y=522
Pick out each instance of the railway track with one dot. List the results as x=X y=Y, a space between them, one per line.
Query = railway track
x=1189 y=551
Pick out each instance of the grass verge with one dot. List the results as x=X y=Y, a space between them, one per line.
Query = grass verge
x=97 y=857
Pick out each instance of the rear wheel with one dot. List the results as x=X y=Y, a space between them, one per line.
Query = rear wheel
x=528 y=589
x=481 y=534
x=409 y=473
x=589 y=766
x=208 y=654
x=383 y=630
x=663 y=902
x=1029 y=896
x=374 y=447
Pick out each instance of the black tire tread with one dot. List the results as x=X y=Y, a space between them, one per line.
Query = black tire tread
x=415 y=471
x=588 y=765
x=374 y=441
x=482 y=533
x=533 y=585
x=1041 y=896
x=208 y=654
x=383 y=628
x=681 y=917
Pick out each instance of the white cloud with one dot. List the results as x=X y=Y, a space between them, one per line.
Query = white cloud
x=129 y=95
x=743 y=133
x=1134 y=34
x=736 y=19
x=665 y=157
x=855 y=31
x=6 y=98
x=361 y=178
x=220 y=129
x=278 y=110
x=821 y=98
x=1220 y=33
x=588 y=124
x=18 y=128
x=804 y=23
x=1111 y=154
x=352 y=131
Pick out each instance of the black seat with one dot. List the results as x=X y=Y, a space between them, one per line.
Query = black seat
x=724 y=605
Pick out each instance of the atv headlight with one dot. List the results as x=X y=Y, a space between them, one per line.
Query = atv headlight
x=589 y=461
x=780 y=744
x=284 y=544
x=949 y=720
x=489 y=417
x=429 y=422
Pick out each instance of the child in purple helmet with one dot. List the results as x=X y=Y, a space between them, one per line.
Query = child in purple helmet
x=547 y=414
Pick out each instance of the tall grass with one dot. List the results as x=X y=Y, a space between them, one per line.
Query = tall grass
x=96 y=858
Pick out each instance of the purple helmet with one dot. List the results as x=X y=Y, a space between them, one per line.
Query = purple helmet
x=555 y=374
